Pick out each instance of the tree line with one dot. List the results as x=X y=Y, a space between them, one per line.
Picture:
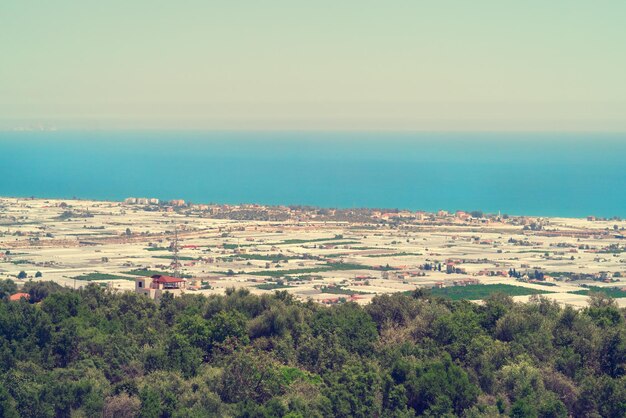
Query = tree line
x=93 y=352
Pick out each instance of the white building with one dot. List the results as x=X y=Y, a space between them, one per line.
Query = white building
x=155 y=286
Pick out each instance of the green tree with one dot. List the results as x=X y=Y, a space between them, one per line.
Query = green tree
x=355 y=390
x=354 y=327
x=435 y=387
x=228 y=325
x=39 y=290
x=7 y=288
x=150 y=404
x=7 y=404
x=250 y=376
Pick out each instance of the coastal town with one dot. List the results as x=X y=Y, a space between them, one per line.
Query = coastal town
x=329 y=256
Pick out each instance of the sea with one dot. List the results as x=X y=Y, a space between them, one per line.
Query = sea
x=535 y=174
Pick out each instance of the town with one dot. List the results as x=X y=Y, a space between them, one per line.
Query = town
x=329 y=256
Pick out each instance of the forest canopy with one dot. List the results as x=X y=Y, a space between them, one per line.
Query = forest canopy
x=92 y=352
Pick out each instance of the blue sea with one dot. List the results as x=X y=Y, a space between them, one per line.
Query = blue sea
x=516 y=173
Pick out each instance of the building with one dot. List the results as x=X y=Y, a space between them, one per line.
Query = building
x=466 y=282
x=155 y=286
x=19 y=296
x=141 y=201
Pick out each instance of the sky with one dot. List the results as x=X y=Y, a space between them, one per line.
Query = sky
x=442 y=65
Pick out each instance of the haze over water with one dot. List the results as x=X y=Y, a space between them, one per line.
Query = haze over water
x=517 y=173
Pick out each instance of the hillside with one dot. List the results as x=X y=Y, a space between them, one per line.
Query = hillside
x=95 y=353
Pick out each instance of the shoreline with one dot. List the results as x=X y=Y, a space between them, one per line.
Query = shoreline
x=217 y=204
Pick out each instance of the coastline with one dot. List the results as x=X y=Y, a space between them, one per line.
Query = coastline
x=346 y=208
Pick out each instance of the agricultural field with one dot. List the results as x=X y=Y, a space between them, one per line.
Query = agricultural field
x=311 y=254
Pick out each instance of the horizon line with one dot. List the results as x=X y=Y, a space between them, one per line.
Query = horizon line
x=313 y=130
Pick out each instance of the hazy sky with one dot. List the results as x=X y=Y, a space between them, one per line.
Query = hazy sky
x=340 y=64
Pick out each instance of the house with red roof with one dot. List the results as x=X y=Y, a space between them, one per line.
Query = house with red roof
x=18 y=296
x=155 y=286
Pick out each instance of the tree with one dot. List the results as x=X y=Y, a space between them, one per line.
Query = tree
x=7 y=404
x=62 y=305
x=392 y=310
x=613 y=353
x=476 y=214
x=40 y=290
x=38 y=274
x=7 y=288
x=353 y=326
x=435 y=387
x=121 y=406
x=93 y=352
x=26 y=383
x=182 y=356
x=22 y=275
x=150 y=404
x=603 y=310
x=227 y=325
x=250 y=376
x=601 y=300
x=356 y=390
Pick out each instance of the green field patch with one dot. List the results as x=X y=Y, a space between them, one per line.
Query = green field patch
x=338 y=243
x=402 y=254
x=291 y=272
x=481 y=291
x=354 y=266
x=613 y=292
x=92 y=234
x=305 y=241
x=558 y=273
x=231 y=246
x=322 y=268
x=156 y=249
x=266 y=257
x=335 y=255
x=340 y=290
x=272 y=286
x=171 y=257
x=100 y=276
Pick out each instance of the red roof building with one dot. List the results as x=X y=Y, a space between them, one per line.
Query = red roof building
x=154 y=286
x=168 y=282
x=18 y=296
